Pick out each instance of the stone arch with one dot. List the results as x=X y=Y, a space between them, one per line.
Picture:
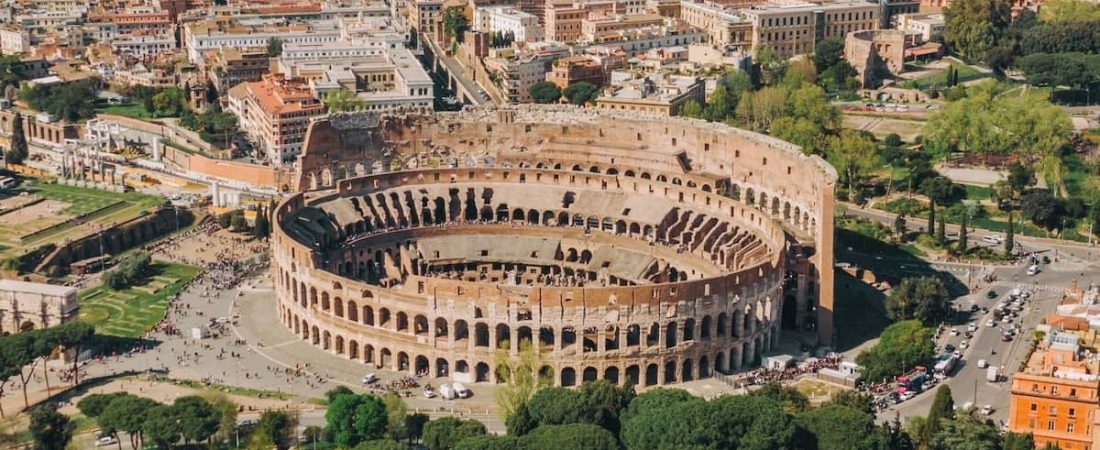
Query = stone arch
x=440 y=327
x=670 y=372
x=462 y=330
x=403 y=361
x=651 y=375
x=481 y=335
x=688 y=372
x=590 y=374
x=481 y=374
x=402 y=321
x=326 y=340
x=421 y=366
x=420 y=325
x=704 y=328
x=353 y=311
x=326 y=306
x=670 y=334
x=568 y=377
x=368 y=315
x=504 y=336
x=339 y=345
x=720 y=362
x=611 y=374
x=353 y=349
x=442 y=368
x=338 y=308
x=704 y=367
x=383 y=317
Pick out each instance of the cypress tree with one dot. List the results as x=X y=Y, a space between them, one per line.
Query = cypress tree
x=19 y=151
x=1010 y=238
x=932 y=217
x=941 y=232
x=962 y=237
x=943 y=408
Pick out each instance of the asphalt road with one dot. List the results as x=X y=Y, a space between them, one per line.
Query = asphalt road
x=968 y=383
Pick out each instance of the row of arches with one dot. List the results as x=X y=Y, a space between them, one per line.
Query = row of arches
x=682 y=368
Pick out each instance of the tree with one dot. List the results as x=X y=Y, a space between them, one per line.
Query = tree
x=161 y=426
x=262 y=229
x=581 y=92
x=839 y=427
x=127 y=413
x=277 y=427
x=1040 y=207
x=544 y=92
x=973 y=26
x=340 y=100
x=966 y=433
x=521 y=379
x=396 y=412
x=941 y=232
x=381 y=444
x=274 y=47
x=1010 y=236
x=770 y=66
x=692 y=109
x=924 y=299
x=963 y=238
x=238 y=223
x=899 y=226
x=454 y=23
x=1018 y=441
x=198 y=419
x=94 y=404
x=758 y=109
x=828 y=52
x=853 y=155
x=356 y=418
x=792 y=400
x=446 y=432
x=488 y=442
x=1020 y=177
x=721 y=104
x=414 y=426
x=901 y=346
x=800 y=71
x=577 y=436
x=1061 y=11
x=942 y=410
x=19 y=150
x=50 y=429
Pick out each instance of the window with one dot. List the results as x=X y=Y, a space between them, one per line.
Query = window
x=1034 y=406
x=1054 y=410
x=1069 y=427
x=1031 y=423
x=1050 y=425
x=1054 y=390
x=1072 y=412
x=1072 y=393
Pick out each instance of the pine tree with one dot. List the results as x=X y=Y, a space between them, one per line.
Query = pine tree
x=943 y=408
x=899 y=226
x=19 y=151
x=962 y=237
x=1010 y=238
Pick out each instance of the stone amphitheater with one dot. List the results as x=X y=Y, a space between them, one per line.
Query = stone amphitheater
x=619 y=246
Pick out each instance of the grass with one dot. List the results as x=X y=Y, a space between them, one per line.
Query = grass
x=83 y=200
x=231 y=390
x=133 y=111
x=939 y=79
x=131 y=312
x=978 y=193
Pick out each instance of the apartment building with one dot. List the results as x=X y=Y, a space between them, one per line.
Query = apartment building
x=924 y=26
x=724 y=25
x=139 y=75
x=1055 y=397
x=212 y=34
x=524 y=27
x=275 y=114
x=661 y=93
x=563 y=21
x=794 y=29
x=14 y=40
x=231 y=66
x=516 y=70
x=423 y=14
x=576 y=69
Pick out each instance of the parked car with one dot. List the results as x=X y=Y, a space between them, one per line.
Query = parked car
x=369 y=378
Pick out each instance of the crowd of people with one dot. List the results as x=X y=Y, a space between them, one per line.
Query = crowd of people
x=765 y=375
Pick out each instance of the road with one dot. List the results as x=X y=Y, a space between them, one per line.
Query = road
x=968 y=384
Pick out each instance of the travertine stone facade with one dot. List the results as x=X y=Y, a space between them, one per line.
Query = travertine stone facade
x=28 y=306
x=621 y=246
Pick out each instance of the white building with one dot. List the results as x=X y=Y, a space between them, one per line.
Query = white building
x=499 y=19
x=923 y=25
x=28 y=306
x=206 y=35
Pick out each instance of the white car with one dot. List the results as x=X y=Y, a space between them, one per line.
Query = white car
x=993 y=239
x=972 y=327
x=1034 y=269
x=990 y=323
x=369 y=378
x=962 y=344
x=907 y=395
x=982 y=364
x=106 y=440
x=429 y=393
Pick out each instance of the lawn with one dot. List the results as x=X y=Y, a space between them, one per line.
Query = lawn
x=82 y=200
x=131 y=312
x=939 y=79
x=132 y=111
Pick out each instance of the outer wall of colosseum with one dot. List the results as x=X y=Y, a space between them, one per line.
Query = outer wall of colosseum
x=740 y=233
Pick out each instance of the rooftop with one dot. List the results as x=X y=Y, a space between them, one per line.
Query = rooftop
x=36 y=288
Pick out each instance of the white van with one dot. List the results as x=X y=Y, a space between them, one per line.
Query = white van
x=1034 y=269
x=447 y=392
x=461 y=391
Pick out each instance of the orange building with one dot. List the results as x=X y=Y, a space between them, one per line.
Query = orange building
x=1055 y=396
x=574 y=69
x=275 y=113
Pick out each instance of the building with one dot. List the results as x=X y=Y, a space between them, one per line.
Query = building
x=575 y=69
x=274 y=113
x=657 y=94
x=891 y=9
x=924 y=26
x=724 y=25
x=26 y=306
x=522 y=26
x=516 y=70
x=14 y=40
x=139 y=75
x=466 y=286
x=792 y=30
x=592 y=28
x=381 y=77
x=231 y=66
x=423 y=15
x=213 y=34
x=1055 y=397
x=563 y=21
x=875 y=54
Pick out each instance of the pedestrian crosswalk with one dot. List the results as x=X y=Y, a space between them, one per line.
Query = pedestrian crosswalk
x=1007 y=286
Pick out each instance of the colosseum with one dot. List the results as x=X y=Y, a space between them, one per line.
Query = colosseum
x=621 y=247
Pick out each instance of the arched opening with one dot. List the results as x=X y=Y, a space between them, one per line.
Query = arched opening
x=790 y=312
x=704 y=331
x=504 y=336
x=546 y=338
x=590 y=374
x=402 y=361
x=385 y=359
x=670 y=372
x=651 y=375
x=421 y=365
x=720 y=363
x=670 y=334
x=402 y=321
x=462 y=331
x=440 y=327
x=482 y=374
x=687 y=374
x=353 y=349
x=353 y=311
x=568 y=377
x=441 y=367
x=461 y=366
x=689 y=330
x=524 y=335
x=704 y=368
x=611 y=374
x=481 y=335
